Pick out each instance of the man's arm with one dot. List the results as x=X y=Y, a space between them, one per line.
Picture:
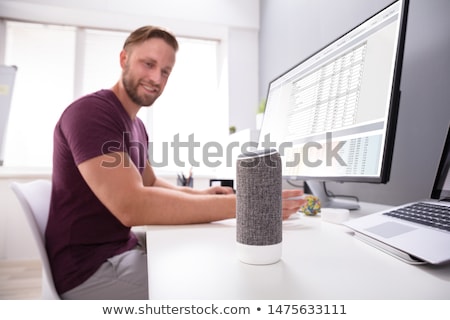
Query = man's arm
x=150 y=179
x=288 y=208
x=137 y=200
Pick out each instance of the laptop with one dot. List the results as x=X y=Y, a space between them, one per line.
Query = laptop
x=417 y=232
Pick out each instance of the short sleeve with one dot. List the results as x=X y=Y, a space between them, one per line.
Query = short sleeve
x=92 y=127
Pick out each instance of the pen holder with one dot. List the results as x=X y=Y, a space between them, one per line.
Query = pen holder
x=259 y=207
x=185 y=182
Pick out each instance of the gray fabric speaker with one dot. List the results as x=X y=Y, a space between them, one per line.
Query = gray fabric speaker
x=259 y=207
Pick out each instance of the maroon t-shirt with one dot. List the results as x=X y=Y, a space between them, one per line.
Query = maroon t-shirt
x=81 y=232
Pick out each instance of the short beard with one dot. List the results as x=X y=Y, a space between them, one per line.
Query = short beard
x=131 y=90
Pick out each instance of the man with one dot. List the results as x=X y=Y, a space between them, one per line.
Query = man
x=103 y=183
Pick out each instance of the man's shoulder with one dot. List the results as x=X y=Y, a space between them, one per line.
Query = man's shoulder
x=93 y=103
x=98 y=98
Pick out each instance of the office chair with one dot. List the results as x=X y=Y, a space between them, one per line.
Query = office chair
x=34 y=197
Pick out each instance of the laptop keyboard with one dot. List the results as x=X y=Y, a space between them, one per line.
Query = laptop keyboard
x=424 y=213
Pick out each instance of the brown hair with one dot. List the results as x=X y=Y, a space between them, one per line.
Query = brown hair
x=147 y=32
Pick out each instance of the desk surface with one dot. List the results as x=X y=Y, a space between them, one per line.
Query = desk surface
x=320 y=260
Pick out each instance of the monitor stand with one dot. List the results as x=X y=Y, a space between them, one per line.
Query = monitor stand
x=318 y=189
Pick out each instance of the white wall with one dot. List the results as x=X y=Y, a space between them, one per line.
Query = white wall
x=234 y=22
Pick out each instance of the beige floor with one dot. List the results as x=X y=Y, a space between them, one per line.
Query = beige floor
x=20 y=280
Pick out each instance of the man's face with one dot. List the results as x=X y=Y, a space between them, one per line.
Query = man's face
x=145 y=70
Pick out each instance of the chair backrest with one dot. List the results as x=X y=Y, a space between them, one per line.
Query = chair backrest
x=34 y=197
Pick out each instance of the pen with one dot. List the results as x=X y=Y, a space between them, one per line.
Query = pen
x=189 y=178
x=182 y=179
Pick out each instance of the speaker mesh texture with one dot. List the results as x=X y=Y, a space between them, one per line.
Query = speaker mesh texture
x=258 y=198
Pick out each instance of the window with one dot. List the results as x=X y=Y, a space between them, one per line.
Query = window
x=58 y=64
x=189 y=110
x=99 y=61
x=44 y=85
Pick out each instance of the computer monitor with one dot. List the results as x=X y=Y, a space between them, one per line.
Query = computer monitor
x=333 y=116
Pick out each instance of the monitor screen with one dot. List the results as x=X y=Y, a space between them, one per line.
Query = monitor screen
x=333 y=115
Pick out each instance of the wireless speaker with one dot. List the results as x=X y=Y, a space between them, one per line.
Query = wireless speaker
x=259 y=207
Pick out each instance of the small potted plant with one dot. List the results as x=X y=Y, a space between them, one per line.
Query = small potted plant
x=260 y=113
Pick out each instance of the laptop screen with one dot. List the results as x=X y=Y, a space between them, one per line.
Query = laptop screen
x=441 y=188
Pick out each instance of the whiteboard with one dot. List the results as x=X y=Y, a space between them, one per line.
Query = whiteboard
x=7 y=77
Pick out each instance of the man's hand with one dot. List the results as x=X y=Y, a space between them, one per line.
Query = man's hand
x=291 y=206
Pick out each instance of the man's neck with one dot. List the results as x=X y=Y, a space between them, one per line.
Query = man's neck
x=130 y=107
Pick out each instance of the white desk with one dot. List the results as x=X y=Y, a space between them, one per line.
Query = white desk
x=320 y=260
